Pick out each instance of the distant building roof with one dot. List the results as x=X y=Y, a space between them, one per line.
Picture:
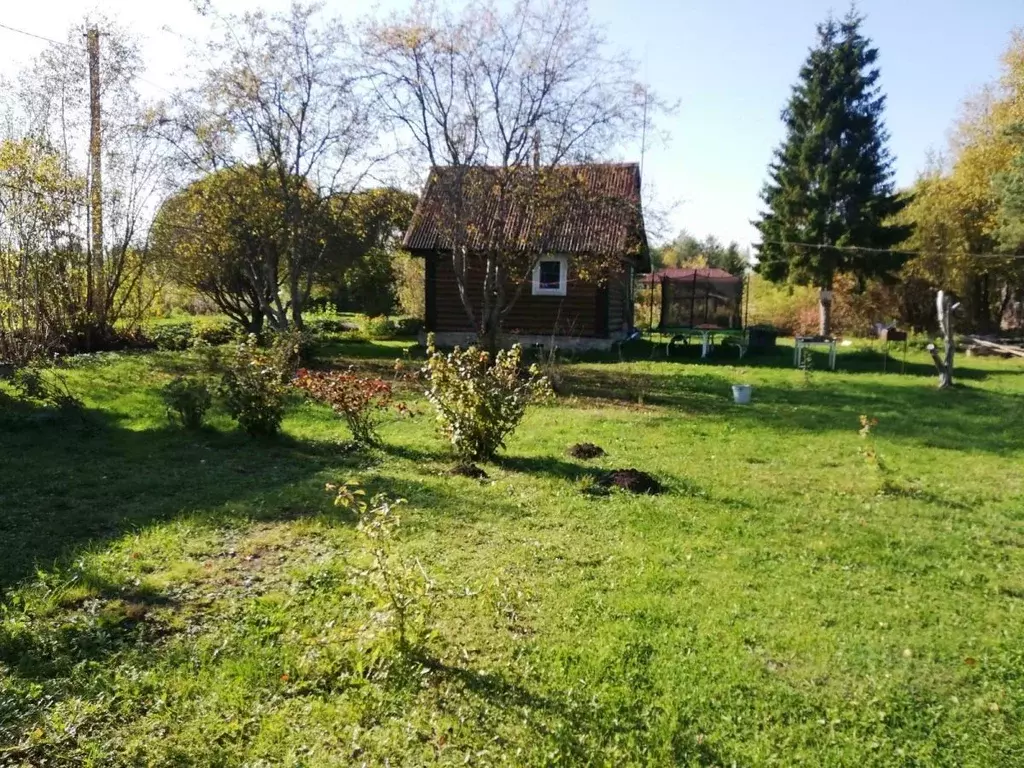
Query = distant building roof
x=599 y=215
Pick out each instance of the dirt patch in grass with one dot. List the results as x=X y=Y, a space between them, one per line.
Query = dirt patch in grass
x=632 y=480
x=468 y=470
x=586 y=451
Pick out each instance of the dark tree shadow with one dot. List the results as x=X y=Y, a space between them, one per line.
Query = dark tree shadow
x=120 y=617
x=540 y=713
x=64 y=485
x=549 y=466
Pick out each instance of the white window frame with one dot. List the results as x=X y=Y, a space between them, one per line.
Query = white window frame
x=562 y=281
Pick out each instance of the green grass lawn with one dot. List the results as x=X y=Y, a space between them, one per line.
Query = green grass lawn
x=194 y=599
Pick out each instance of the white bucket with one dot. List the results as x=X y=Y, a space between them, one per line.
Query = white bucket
x=741 y=393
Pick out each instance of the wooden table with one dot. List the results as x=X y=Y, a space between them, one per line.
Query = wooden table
x=812 y=341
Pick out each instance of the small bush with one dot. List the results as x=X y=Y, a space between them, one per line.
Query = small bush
x=408 y=326
x=179 y=336
x=187 y=401
x=253 y=386
x=289 y=350
x=378 y=327
x=478 y=403
x=361 y=402
x=401 y=587
x=320 y=326
x=326 y=319
x=214 y=332
x=173 y=337
x=47 y=388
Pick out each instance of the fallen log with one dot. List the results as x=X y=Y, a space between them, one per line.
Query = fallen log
x=1001 y=348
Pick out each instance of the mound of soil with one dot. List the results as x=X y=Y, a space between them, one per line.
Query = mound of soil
x=586 y=451
x=632 y=480
x=468 y=470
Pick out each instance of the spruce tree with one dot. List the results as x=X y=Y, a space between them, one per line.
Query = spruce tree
x=831 y=180
x=1010 y=189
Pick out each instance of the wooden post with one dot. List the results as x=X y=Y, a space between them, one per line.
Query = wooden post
x=96 y=287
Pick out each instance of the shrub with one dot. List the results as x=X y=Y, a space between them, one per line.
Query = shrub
x=253 y=386
x=326 y=319
x=401 y=587
x=289 y=350
x=378 y=327
x=320 y=325
x=173 y=337
x=362 y=402
x=480 y=403
x=408 y=326
x=215 y=332
x=181 y=335
x=187 y=401
x=48 y=388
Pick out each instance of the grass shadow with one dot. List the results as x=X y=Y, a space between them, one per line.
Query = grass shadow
x=579 y=732
x=550 y=466
x=62 y=488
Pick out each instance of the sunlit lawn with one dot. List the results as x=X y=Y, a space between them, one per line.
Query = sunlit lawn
x=191 y=599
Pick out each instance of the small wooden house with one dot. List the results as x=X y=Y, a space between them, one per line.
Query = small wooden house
x=577 y=290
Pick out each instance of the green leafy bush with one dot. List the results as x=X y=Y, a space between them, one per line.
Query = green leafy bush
x=179 y=336
x=254 y=388
x=408 y=326
x=187 y=401
x=174 y=337
x=378 y=327
x=322 y=325
x=289 y=350
x=326 y=319
x=405 y=595
x=478 y=403
x=214 y=331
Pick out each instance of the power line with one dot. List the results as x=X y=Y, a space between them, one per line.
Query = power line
x=76 y=48
x=901 y=251
x=39 y=37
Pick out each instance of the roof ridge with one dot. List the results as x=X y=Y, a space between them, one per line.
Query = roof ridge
x=608 y=164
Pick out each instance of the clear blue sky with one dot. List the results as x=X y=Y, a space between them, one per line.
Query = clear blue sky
x=729 y=63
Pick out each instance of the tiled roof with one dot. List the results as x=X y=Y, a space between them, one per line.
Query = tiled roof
x=594 y=209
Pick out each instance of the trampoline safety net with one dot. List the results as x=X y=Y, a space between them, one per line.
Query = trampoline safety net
x=693 y=298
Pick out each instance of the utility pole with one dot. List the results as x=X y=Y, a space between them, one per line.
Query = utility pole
x=96 y=283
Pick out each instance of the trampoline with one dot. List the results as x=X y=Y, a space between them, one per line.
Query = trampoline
x=699 y=302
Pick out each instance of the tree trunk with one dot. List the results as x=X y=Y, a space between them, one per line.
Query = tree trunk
x=255 y=325
x=825 y=312
x=296 y=300
x=490 y=308
x=945 y=306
